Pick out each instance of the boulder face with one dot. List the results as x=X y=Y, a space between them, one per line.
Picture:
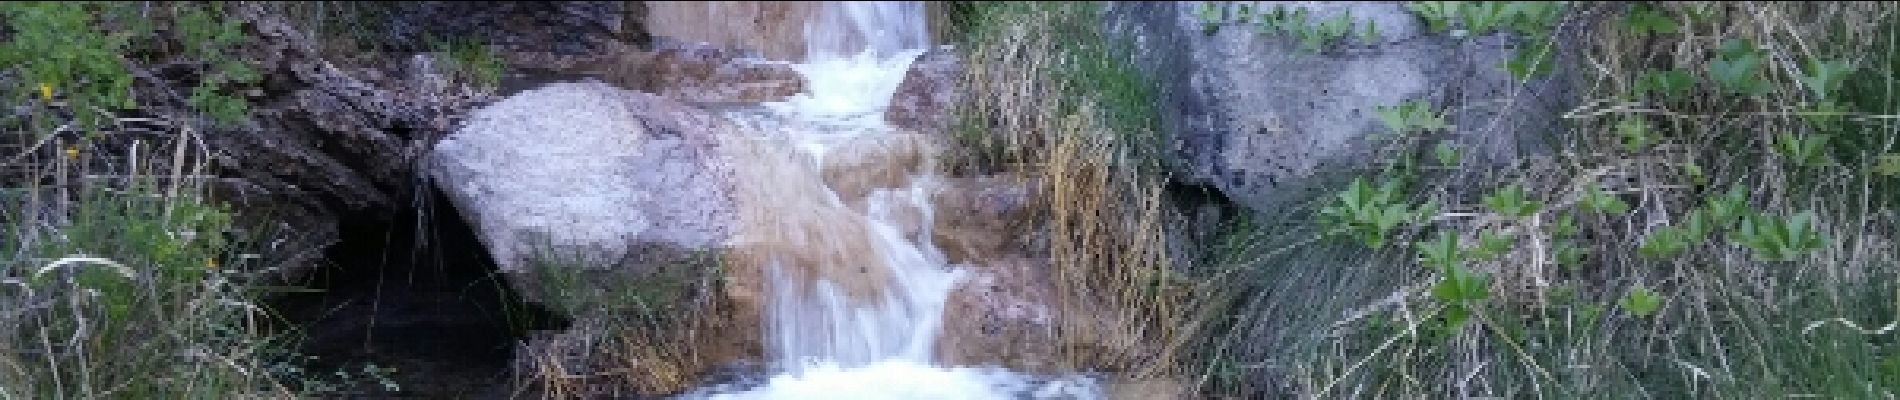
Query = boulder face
x=1268 y=123
x=587 y=176
x=927 y=94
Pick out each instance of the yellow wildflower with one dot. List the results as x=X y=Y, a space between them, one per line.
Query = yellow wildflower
x=211 y=264
x=72 y=152
x=46 y=91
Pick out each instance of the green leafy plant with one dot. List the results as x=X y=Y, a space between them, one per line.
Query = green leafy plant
x=1369 y=35
x=1729 y=207
x=1671 y=85
x=1460 y=284
x=1887 y=164
x=75 y=52
x=1635 y=134
x=1596 y=200
x=1737 y=69
x=1458 y=288
x=1695 y=173
x=1645 y=19
x=1442 y=253
x=208 y=36
x=1567 y=255
x=1483 y=16
x=57 y=50
x=1640 y=301
x=1438 y=15
x=1802 y=150
x=1824 y=78
x=1564 y=225
x=1529 y=18
x=1445 y=154
x=1370 y=214
x=1512 y=201
x=1312 y=36
x=1779 y=239
x=1409 y=116
x=1531 y=61
x=1210 y=15
x=1332 y=30
x=1664 y=243
x=1491 y=244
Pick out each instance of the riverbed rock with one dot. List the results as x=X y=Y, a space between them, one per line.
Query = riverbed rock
x=583 y=176
x=710 y=75
x=1269 y=124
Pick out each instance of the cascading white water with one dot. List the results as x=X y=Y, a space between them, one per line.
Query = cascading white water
x=869 y=333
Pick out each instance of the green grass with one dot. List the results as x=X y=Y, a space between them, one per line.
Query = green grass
x=1091 y=71
x=130 y=294
x=469 y=59
x=1740 y=311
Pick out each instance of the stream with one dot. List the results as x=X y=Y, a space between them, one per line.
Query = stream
x=856 y=290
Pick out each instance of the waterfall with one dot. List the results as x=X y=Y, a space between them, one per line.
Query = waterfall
x=855 y=289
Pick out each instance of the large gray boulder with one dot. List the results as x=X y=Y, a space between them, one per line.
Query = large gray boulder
x=1270 y=124
x=601 y=185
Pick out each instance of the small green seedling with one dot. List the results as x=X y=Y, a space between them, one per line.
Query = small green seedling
x=1563 y=225
x=1802 y=150
x=1887 y=164
x=1370 y=214
x=1568 y=256
x=1446 y=154
x=1664 y=243
x=1823 y=78
x=1634 y=132
x=1737 y=69
x=1729 y=207
x=1481 y=17
x=1644 y=19
x=1210 y=15
x=1512 y=201
x=1640 y=301
x=1696 y=175
x=1438 y=15
x=1442 y=253
x=1594 y=199
x=1532 y=61
x=1778 y=239
x=1491 y=245
x=1671 y=85
x=1409 y=116
x=1461 y=285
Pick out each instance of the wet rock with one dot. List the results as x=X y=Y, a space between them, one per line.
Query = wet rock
x=709 y=75
x=772 y=29
x=619 y=183
x=1268 y=123
x=925 y=98
x=1002 y=314
x=981 y=218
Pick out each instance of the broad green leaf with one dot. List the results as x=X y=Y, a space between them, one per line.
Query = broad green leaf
x=1446 y=154
x=1643 y=19
x=1640 y=301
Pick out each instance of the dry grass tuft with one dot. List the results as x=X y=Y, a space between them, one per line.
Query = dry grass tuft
x=1100 y=210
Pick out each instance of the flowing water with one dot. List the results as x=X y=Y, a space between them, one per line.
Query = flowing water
x=855 y=289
